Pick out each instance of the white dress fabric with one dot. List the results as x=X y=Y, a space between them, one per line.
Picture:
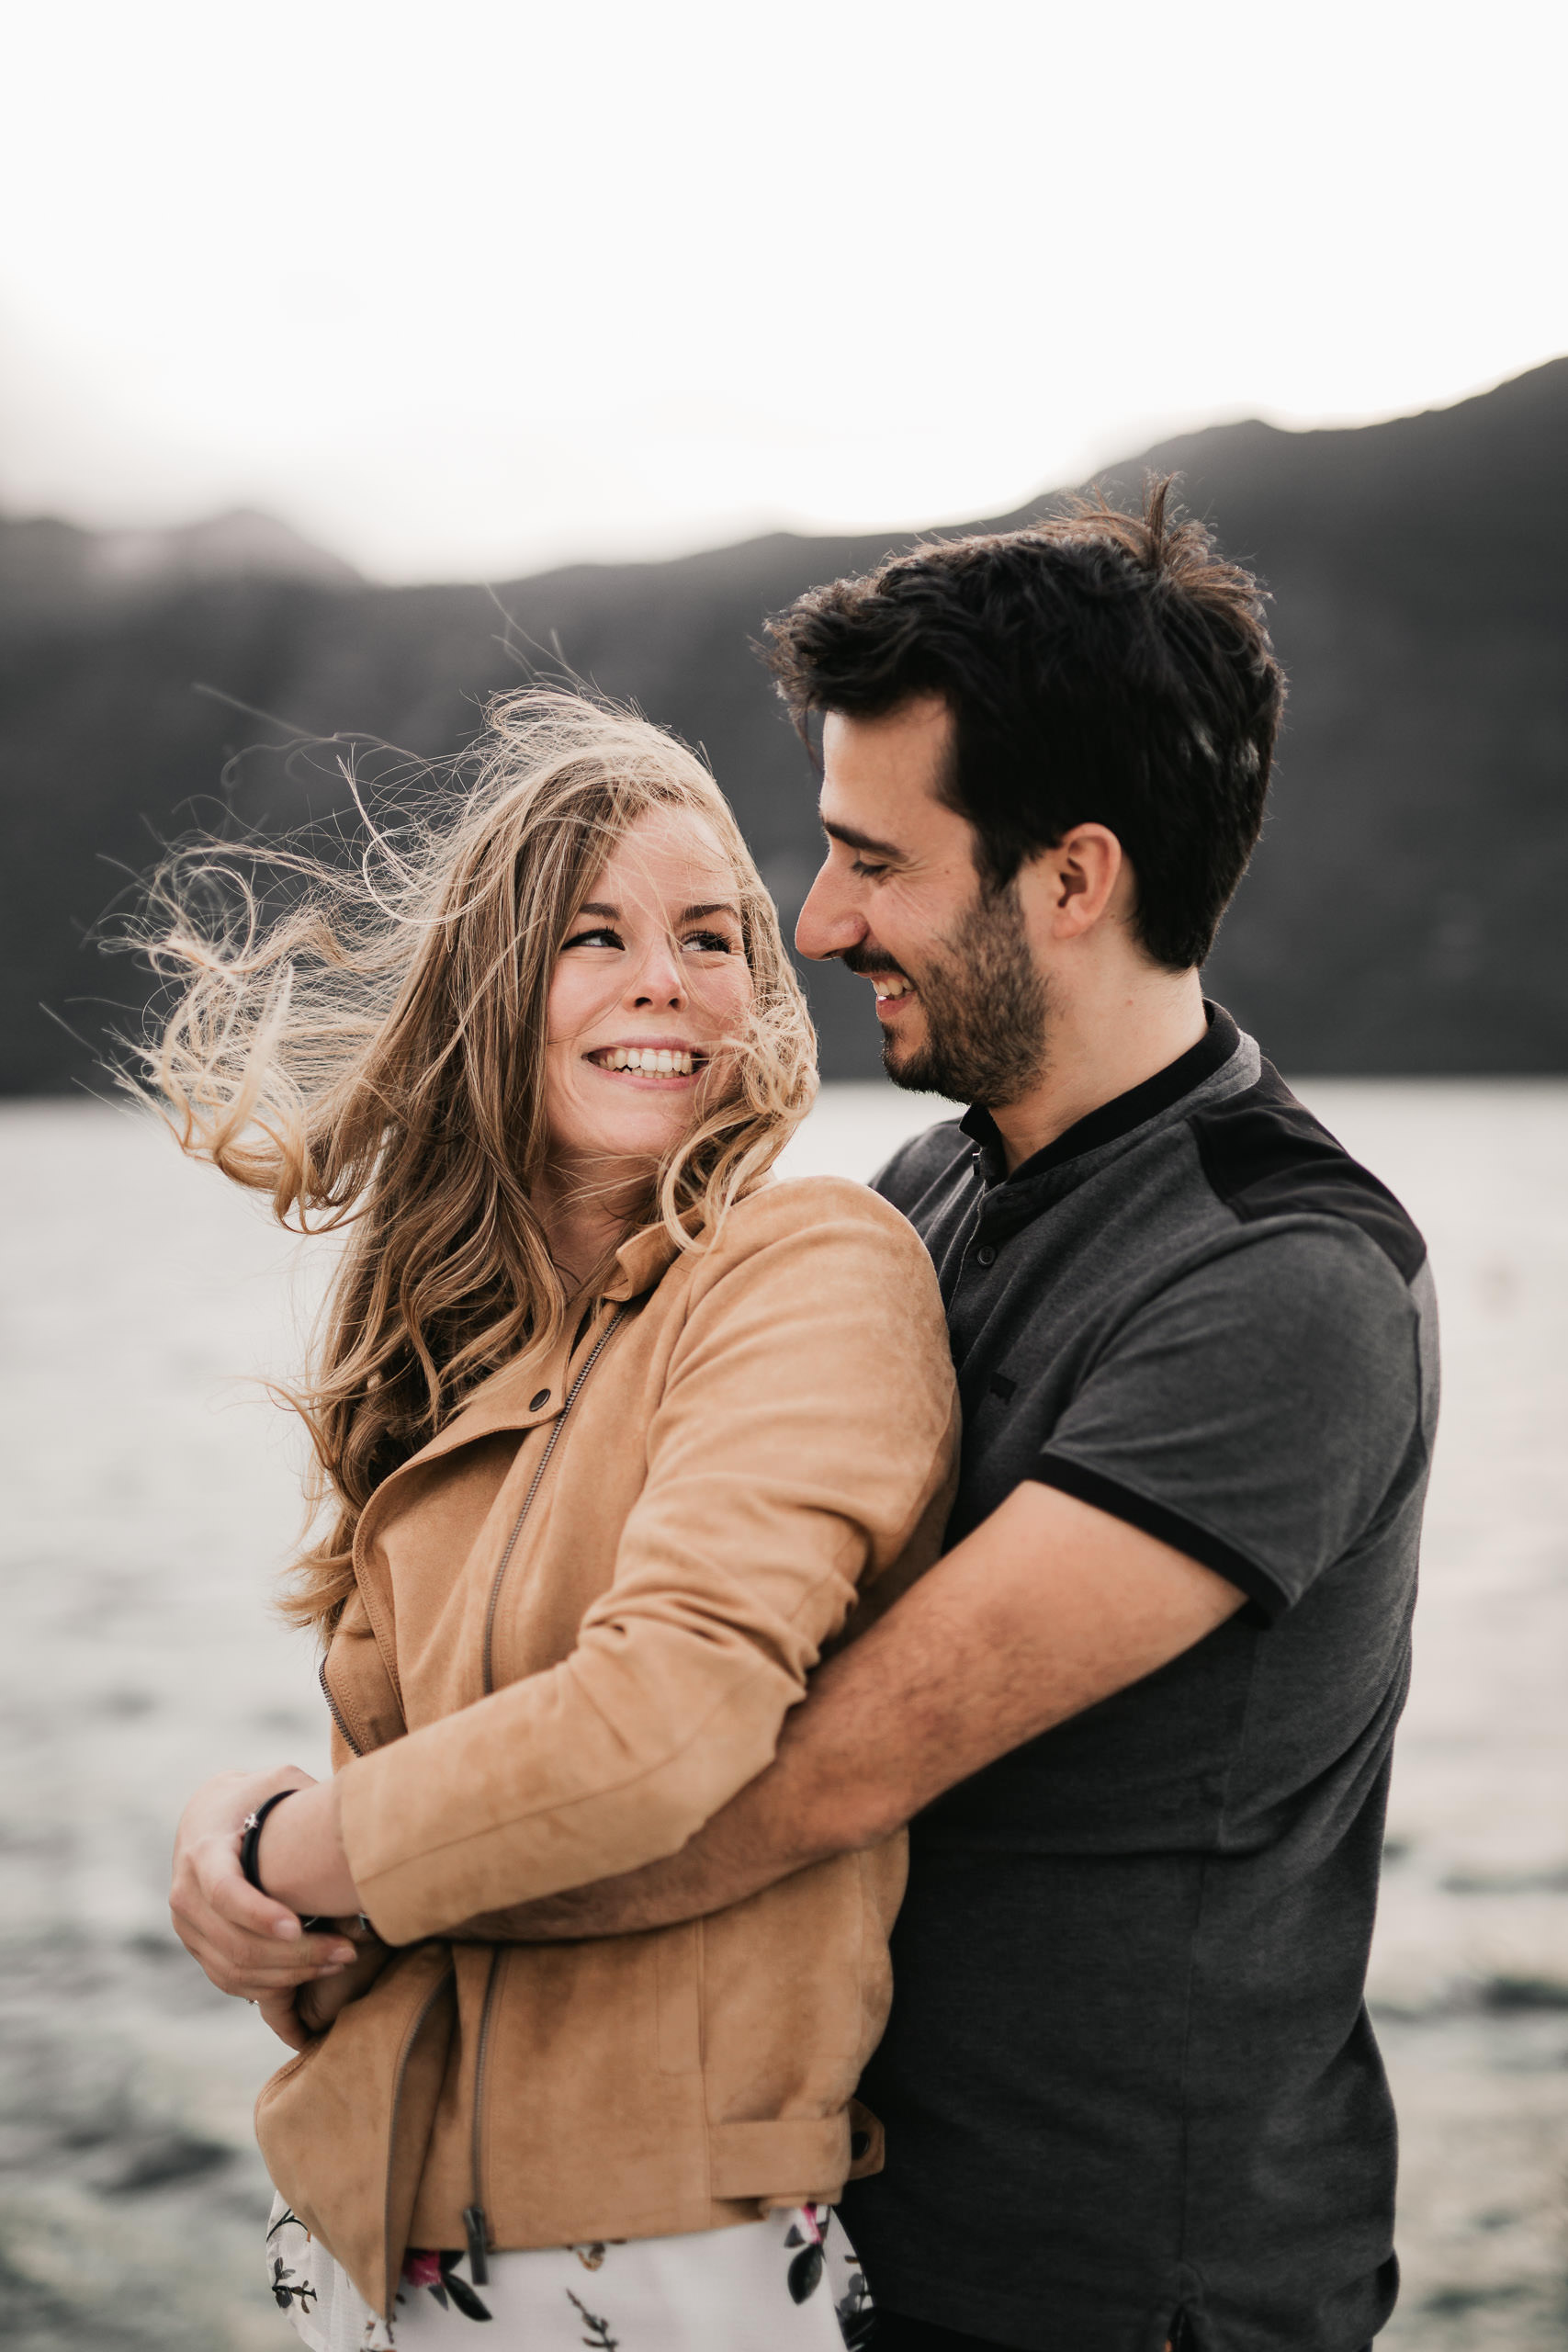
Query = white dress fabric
x=788 y=2283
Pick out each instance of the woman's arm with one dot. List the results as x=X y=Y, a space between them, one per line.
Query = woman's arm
x=1047 y=1608
x=806 y=1431
x=299 y=1854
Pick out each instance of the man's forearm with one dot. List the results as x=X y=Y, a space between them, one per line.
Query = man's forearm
x=1046 y=1609
x=788 y=1817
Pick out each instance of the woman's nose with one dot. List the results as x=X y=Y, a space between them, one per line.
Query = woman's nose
x=659 y=980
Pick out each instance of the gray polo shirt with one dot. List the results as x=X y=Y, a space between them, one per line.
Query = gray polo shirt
x=1129 y=2082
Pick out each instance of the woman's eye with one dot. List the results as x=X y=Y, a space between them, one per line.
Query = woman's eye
x=711 y=943
x=602 y=937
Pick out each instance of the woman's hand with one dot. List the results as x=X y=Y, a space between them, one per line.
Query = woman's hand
x=248 y=1943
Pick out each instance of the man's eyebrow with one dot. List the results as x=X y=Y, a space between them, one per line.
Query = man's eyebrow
x=851 y=840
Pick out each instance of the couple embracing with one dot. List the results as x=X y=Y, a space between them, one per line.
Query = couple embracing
x=860 y=1718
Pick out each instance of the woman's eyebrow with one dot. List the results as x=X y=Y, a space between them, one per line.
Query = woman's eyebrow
x=597 y=907
x=711 y=906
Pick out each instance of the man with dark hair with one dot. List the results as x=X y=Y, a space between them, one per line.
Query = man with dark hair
x=1140 y=1716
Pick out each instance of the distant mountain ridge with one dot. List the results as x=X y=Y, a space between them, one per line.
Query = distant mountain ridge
x=50 y=569
x=1403 y=912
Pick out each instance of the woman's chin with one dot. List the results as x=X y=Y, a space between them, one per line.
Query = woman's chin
x=636 y=1115
x=643 y=1135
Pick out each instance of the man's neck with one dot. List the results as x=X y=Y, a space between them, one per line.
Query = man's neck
x=1099 y=1051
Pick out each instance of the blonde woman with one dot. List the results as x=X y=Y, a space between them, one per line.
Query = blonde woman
x=616 y=1429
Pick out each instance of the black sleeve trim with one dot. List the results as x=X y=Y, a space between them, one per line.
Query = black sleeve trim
x=1167 y=1526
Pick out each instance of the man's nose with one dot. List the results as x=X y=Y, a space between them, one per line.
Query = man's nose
x=829 y=920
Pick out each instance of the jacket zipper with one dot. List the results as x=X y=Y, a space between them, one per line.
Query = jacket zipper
x=403 y=2056
x=475 y=2228
x=475 y=2225
x=339 y=1718
x=335 y=1710
x=505 y=1561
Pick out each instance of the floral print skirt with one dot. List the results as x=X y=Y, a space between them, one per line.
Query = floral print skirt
x=788 y=2283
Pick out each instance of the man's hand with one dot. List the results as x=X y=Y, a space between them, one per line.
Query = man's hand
x=248 y=1944
x=1047 y=1608
x=278 y=2010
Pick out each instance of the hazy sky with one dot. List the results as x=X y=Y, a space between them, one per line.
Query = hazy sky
x=466 y=288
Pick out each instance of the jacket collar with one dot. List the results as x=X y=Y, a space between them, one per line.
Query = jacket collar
x=522 y=1394
x=519 y=1395
x=640 y=1263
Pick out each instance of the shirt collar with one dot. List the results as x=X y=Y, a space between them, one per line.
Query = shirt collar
x=1116 y=1118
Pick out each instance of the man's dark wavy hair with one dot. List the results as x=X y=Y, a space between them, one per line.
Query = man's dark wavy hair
x=1103 y=668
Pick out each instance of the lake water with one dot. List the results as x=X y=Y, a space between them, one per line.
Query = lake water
x=148 y=1497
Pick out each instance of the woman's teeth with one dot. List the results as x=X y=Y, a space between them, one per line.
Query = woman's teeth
x=661 y=1061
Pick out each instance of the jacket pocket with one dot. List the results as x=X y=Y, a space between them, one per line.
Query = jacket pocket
x=678 y=1958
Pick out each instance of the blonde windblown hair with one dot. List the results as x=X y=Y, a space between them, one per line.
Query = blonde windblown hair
x=374 y=1059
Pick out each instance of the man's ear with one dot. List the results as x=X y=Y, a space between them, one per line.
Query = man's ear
x=1073 y=884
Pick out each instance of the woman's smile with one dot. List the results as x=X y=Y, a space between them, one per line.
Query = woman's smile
x=657 y=1061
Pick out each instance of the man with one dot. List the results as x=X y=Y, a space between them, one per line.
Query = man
x=1129 y=2084
x=1140 y=1716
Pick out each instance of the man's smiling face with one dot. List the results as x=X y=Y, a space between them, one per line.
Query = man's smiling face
x=898 y=899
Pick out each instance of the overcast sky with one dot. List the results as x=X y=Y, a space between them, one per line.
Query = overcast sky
x=465 y=288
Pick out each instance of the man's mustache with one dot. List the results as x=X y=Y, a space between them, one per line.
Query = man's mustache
x=866 y=957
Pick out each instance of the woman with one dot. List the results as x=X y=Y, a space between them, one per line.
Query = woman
x=616 y=1429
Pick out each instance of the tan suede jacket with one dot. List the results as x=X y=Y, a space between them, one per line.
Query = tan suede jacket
x=583 y=1614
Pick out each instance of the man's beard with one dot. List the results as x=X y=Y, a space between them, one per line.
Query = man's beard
x=985 y=1010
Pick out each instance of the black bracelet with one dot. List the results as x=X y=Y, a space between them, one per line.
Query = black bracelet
x=250 y=1838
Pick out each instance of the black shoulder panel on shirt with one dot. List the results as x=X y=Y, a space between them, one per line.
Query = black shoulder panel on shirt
x=1267 y=1156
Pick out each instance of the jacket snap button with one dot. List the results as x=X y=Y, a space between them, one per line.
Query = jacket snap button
x=987 y=1256
x=542 y=1398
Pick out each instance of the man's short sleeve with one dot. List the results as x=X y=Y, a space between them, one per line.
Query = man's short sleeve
x=1256 y=1412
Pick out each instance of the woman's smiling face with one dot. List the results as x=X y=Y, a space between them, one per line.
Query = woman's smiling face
x=650 y=980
